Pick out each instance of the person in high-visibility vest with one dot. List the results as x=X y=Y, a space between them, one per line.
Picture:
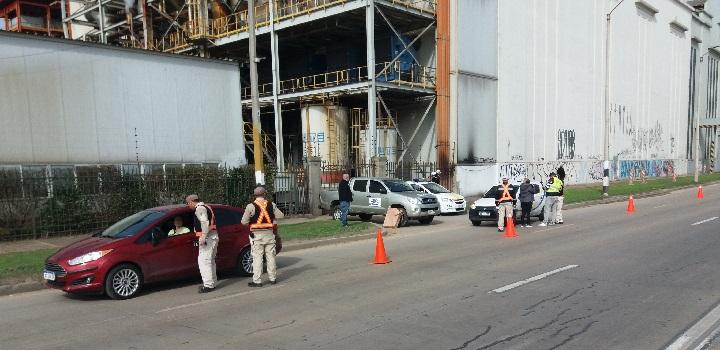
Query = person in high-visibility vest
x=561 y=197
x=505 y=200
x=555 y=187
x=208 y=240
x=261 y=216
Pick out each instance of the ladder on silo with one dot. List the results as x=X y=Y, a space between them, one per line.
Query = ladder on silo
x=332 y=134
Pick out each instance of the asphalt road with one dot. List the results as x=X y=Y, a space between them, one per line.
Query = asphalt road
x=620 y=282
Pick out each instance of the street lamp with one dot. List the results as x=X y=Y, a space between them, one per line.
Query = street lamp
x=606 y=114
x=696 y=127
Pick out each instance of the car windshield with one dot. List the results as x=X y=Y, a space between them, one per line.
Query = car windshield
x=131 y=224
x=398 y=186
x=491 y=193
x=435 y=188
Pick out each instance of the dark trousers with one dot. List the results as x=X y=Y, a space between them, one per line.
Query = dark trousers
x=525 y=215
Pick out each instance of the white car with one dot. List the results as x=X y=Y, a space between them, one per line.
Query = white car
x=449 y=202
x=485 y=209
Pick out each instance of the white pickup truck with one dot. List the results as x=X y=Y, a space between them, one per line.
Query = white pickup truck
x=373 y=196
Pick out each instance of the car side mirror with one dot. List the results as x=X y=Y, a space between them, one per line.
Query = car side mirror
x=156 y=236
x=383 y=191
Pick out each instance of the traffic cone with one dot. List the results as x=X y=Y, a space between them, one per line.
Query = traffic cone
x=380 y=256
x=510 y=228
x=700 y=194
x=631 y=205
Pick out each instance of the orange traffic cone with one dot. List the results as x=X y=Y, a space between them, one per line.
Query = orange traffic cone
x=510 y=228
x=380 y=256
x=631 y=205
x=700 y=194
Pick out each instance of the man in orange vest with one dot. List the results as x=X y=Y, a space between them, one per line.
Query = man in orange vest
x=261 y=216
x=505 y=202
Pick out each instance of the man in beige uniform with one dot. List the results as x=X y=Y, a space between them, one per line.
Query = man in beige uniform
x=261 y=215
x=207 y=242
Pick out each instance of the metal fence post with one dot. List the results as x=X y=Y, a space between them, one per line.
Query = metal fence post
x=314 y=185
x=379 y=166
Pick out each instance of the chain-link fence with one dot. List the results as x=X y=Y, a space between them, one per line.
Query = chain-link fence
x=35 y=205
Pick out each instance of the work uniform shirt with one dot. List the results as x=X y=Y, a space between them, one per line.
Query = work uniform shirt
x=250 y=212
x=201 y=213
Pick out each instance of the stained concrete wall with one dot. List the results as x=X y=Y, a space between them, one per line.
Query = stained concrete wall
x=66 y=102
x=549 y=100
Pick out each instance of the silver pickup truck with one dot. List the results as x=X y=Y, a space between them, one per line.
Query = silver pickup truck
x=373 y=196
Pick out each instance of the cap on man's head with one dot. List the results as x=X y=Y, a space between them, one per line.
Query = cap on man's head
x=192 y=198
x=259 y=191
x=438 y=171
x=504 y=178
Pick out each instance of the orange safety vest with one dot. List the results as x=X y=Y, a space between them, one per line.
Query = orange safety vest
x=213 y=227
x=506 y=193
x=263 y=219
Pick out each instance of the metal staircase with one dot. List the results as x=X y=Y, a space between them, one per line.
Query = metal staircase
x=268 y=142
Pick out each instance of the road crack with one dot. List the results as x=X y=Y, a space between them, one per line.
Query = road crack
x=465 y=344
x=573 y=335
x=541 y=302
x=576 y=291
x=526 y=332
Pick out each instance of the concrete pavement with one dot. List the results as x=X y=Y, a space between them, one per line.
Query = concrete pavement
x=641 y=281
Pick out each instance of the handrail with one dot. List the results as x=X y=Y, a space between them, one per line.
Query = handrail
x=237 y=22
x=397 y=73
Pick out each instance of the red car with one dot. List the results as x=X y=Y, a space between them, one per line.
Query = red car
x=138 y=250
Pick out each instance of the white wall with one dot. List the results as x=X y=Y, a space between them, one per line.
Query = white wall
x=551 y=68
x=474 y=69
x=72 y=103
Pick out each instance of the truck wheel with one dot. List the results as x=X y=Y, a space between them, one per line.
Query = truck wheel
x=123 y=282
x=403 y=218
x=541 y=217
x=426 y=221
x=335 y=212
x=365 y=217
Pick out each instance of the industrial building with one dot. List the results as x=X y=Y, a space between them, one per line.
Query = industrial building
x=490 y=88
x=70 y=105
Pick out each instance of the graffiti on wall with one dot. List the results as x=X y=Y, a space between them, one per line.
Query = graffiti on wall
x=566 y=144
x=575 y=171
x=652 y=168
x=635 y=141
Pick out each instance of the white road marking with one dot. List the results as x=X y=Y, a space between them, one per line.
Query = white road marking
x=531 y=279
x=706 y=342
x=696 y=331
x=704 y=221
x=659 y=206
x=554 y=227
x=211 y=300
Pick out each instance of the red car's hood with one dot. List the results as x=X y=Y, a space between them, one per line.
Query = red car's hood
x=83 y=246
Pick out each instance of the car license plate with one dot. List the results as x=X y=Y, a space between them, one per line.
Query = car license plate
x=49 y=276
x=431 y=212
x=484 y=213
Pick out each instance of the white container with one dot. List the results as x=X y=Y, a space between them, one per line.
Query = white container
x=386 y=144
x=327 y=128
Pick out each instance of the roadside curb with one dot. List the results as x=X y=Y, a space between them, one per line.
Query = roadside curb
x=23 y=287
x=330 y=241
x=622 y=198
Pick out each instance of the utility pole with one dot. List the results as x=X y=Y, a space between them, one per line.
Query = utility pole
x=606 y=112
x=254 y=94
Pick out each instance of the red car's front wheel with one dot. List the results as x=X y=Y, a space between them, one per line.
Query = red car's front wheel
x=123 y=282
